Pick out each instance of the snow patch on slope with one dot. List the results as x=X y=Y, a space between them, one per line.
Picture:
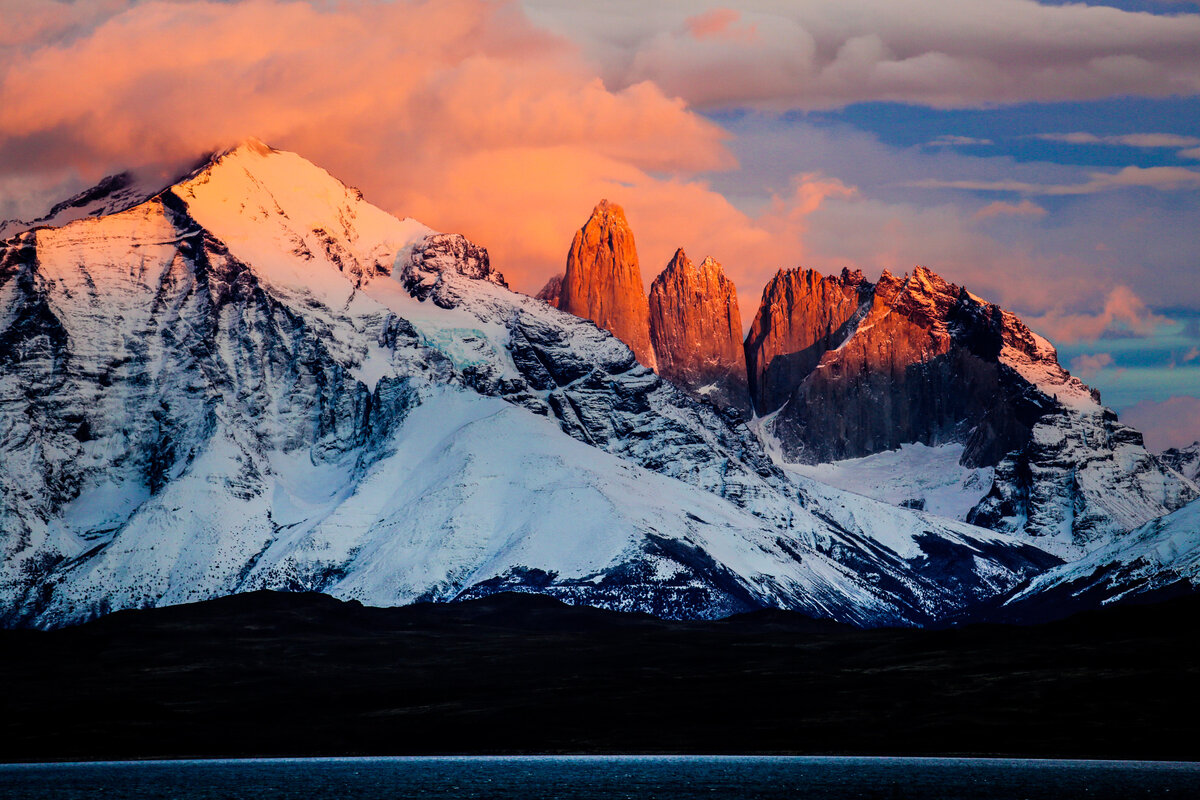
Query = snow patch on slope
x=915 y=476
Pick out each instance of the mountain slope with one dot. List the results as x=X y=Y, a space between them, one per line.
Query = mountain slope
x=1184 y=460
x=1158 y=560
x=255 y=379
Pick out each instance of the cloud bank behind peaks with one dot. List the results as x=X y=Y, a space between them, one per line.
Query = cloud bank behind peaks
x=784 y=54
x=460 y=113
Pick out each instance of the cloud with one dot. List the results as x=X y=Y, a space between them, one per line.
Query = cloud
x=1161 y=178
x=830 y=53
x=1193 y=153
x=468 y=116
x=462 y=114
x=1087 y=365
x=950 y=140
x=1025 y=208
x=720 y=23
x=1174 y=422
x=1145 y=140
x=1124 y=312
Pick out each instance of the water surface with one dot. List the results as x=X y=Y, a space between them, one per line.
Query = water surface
x=604 y=778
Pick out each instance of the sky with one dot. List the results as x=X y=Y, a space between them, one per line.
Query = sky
x=1045 y=155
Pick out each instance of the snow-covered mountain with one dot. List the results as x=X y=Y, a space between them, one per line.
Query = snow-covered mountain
x=1184 y=460
x=1158 y=560
x=872 y=386
x=255 y=379
x=114 y=193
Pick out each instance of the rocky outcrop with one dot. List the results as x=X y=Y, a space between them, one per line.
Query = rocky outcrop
x=917 y=361
x=447 y=251
x=802 y=315
x=552 y=291
x=922 y=360
x=696 y=329
x=1184 y=460
x=603 y=281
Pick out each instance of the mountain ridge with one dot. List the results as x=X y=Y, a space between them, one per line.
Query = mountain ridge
x=255 y=380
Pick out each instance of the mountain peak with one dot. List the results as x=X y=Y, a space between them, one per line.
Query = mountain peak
x=610 y=213
x=250 y=146
x=696 y=329
x=678 y=261
x=603 y=280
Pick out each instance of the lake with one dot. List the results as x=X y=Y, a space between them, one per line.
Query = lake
x=634 y=777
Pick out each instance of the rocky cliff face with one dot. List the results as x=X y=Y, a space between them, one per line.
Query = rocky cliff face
x=603 y=281
x=919 y=359
x=696 y=330
x=1184 y=460
x=802 y=315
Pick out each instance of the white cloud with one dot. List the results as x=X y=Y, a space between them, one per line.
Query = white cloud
x=950 y=140
x=1160 y=178
x=780 y=54
x=1090 y=364
x=1025 y=208
x=1146 y=140
x=1123 y=311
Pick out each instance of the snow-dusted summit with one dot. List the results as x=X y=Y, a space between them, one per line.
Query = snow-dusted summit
x=256 y=379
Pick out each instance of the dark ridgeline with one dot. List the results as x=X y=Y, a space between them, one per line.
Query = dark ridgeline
x=303 y=674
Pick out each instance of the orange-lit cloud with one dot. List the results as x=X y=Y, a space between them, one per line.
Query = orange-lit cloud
x=721 y=23
x=1123 y=310
x=461 y=114
x=471 y=118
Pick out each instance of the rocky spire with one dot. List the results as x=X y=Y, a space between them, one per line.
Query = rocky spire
x=696 y=329
x=603 y=281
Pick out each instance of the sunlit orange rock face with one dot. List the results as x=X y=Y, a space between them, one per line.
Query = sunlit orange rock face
x=696 y=329
x=855 y=369
x=603 y=281
x=802 y=315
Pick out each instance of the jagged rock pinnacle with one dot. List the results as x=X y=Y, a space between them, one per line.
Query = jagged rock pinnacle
x=603 y=281
x=696 y=329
